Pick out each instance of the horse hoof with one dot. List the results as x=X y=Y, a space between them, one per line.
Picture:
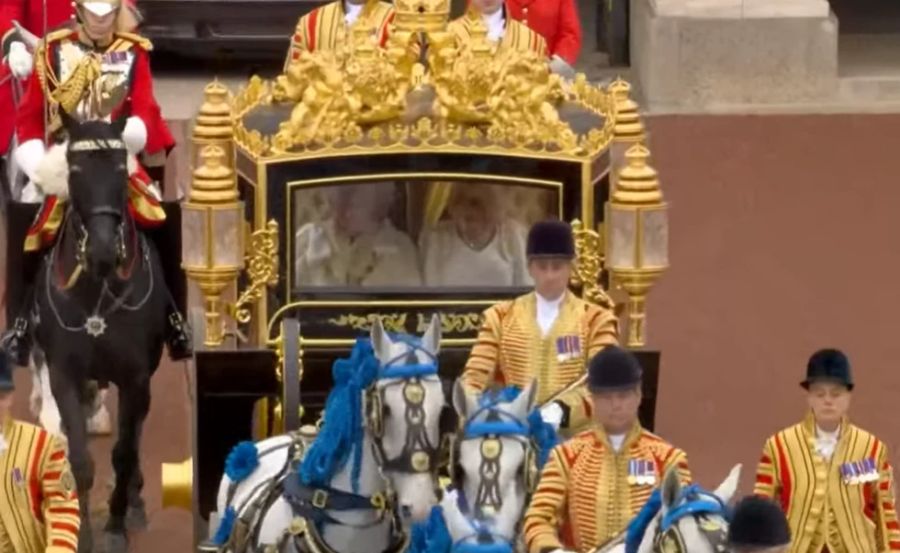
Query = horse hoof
x=136 y=518
x=116 y=542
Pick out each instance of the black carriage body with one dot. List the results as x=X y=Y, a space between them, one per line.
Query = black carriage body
x=327 y=319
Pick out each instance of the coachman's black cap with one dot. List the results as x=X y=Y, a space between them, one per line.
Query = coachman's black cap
x=758 y=522
x=831 y=365
x=6 y=376
x=613 y=368
x=550 y=238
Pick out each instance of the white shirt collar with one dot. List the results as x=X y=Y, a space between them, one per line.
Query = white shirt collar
x=351 y=12
x=547 y=311
x=826 y=442
x=616 y=441
x=496 y=24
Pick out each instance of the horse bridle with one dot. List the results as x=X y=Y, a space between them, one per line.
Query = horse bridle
x=117 y=212
x=490 y=432
x=692 y=501
x=419 y=454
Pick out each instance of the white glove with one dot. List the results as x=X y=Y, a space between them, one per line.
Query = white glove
x=561 y=551
x=561 y=67
x=28 y=156
x=552 y=415
x=19 y=60
x=135 y=135
x=31 y=194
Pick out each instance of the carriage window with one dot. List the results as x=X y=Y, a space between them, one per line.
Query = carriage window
x=402 y=235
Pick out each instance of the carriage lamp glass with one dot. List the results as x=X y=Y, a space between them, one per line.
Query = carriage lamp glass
x=637 y=246
x=213 y=216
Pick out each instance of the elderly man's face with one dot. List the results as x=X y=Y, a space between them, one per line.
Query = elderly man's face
x=6 y=401
x=356 y=212
x=616 y=410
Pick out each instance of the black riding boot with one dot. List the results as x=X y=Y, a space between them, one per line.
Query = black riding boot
x=167 y=240
x=21 y=268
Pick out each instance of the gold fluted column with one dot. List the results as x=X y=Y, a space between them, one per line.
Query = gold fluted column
x=638 y=237
x=628 y=131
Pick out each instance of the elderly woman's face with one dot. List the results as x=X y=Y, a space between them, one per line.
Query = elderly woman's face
x=473 y=209
x=356 y=212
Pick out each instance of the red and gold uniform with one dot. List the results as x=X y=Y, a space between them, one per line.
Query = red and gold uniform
x=555 y=20
x=516 y=36
x=512 y=350
x=39 y=511
x=588 y=492
x=30 y=15
x=325 y=27
x=841 y=505
x=69 y=75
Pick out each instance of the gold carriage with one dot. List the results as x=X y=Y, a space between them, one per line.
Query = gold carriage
x=405 y=146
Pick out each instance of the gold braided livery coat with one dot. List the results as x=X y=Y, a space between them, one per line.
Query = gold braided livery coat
x=516 y=36
x=510 y=350
x=324 y=27
x=823 y=510
x=38 y=502
x=584 y=497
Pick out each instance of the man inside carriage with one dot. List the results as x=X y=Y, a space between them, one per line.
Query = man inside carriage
x=96 y=71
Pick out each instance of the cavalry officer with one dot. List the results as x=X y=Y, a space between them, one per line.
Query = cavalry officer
x=98 y=47
x=617 y=461
x=39 y=511
x=504 y=31
x=758 y=526
x=832 y=479
x=547 y=335
x=31 y=16
x=325 y=27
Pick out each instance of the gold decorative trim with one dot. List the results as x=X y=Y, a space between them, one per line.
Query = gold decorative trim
x=262 y=268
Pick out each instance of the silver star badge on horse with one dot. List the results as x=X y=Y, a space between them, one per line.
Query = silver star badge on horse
x=95 y=326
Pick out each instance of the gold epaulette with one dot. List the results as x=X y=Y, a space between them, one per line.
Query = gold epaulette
x=141 y=41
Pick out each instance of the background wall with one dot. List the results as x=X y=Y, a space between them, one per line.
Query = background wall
x=784 y=238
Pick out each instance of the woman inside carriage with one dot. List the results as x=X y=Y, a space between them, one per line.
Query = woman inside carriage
x=475 y=243
x=96 y=71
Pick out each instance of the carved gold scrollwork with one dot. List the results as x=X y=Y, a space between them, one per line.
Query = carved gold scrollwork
x=589 y=264
x=455 y=323
x=262 y=269
x=392 y=322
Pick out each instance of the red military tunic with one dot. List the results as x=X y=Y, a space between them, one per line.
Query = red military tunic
x=555 y=20
x=124 y=63
x=30 y=15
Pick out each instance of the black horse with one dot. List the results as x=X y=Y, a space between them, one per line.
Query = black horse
x=101 y=303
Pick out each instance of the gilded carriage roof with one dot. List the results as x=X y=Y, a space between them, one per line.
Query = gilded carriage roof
x=460 y=96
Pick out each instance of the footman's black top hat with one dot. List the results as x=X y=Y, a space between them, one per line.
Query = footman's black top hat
x=828 y=364
x=613 y=368
x=550 y=239
x=6 y=377
x=758 y=522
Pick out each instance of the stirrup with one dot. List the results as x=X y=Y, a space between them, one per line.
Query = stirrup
x=179 y=341
x=15 y=343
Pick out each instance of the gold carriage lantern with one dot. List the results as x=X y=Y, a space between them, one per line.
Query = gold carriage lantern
x=637 y=239
x=215 y=216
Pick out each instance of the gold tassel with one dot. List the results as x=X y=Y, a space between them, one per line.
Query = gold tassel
x=70 y=93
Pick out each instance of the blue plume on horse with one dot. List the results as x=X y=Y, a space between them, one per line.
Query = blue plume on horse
x=544 y=436
x=430 y=535
x=506 y=394
x=638 y=526
x=342 y=431
x=223 y=532
x=241 y=461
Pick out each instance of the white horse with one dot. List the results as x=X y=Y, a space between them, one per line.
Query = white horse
x=494 y=467
x=681 y=518
x=392 y=412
